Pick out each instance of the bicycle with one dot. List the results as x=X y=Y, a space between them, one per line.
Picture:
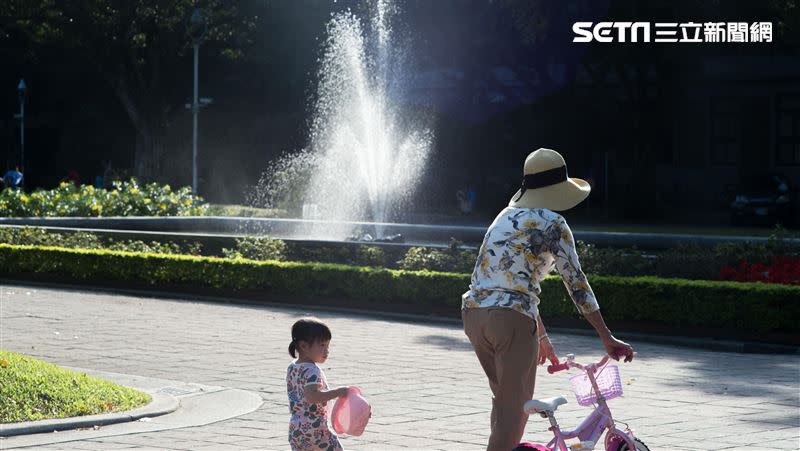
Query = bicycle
x=598 y=383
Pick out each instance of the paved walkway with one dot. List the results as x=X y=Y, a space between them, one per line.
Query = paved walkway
x=424 y=383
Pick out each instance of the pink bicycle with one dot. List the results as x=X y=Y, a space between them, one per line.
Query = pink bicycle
x=597 y=384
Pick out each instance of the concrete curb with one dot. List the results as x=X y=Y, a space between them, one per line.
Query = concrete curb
x=161 y=404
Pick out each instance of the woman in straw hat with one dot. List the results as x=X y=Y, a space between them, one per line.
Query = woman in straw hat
x=525 y=241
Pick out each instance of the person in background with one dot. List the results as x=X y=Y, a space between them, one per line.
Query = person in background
x=13 y=178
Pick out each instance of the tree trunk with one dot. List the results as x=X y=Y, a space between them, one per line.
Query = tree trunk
x=148 y=154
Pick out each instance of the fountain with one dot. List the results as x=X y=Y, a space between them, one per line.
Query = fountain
x=365 y=156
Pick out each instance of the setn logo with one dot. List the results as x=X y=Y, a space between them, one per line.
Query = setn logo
x=611 y=32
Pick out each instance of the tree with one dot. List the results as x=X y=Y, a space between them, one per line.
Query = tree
x=136 y=46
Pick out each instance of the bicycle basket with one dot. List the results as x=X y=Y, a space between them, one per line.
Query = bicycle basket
x=607 y=380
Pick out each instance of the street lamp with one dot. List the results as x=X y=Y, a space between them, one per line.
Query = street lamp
x=197 y=29
x=21 y=88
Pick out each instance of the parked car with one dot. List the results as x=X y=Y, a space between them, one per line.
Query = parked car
x=764 y=198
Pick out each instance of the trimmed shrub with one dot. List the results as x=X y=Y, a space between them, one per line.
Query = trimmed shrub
x=257 y=248
x=347 y=254
x=676 y=303
x=680 y=302
x=451 y=259
x=36 y=236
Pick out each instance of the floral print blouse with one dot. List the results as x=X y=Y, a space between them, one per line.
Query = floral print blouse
x=308 y=426
x=520 y=248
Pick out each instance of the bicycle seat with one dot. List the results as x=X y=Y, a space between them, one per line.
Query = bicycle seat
x=542 y=405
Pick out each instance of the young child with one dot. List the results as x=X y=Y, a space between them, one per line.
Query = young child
x=308 y=389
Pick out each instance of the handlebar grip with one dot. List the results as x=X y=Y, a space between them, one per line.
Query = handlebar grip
x=556 y=368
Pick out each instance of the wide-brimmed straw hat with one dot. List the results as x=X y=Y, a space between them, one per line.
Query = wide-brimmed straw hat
x=545 y=183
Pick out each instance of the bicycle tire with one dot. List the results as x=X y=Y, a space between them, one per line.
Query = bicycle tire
x=640 y=446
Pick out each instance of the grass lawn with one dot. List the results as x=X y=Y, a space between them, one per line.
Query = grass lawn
x=31 y=389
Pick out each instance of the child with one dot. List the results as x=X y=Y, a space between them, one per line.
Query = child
x=308 y=389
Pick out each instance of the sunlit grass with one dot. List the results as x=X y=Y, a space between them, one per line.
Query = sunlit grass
x=31 y=389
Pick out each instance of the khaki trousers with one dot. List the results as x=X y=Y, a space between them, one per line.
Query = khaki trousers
x=507 y=347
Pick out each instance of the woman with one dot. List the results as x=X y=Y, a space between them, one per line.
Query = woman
x=500 y=313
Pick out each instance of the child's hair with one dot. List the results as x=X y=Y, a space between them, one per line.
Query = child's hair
x=310 y=330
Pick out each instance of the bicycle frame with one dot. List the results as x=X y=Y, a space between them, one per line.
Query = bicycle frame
x=593 y=426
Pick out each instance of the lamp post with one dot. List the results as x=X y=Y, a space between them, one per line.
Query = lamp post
x=21 y=88
x=197 y=29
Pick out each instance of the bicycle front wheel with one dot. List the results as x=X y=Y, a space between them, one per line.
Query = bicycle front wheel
x=640 y=446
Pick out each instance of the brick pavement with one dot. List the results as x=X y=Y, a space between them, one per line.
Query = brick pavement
x=422 y=379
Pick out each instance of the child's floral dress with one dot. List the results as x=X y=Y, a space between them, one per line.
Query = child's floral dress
x=308 y=427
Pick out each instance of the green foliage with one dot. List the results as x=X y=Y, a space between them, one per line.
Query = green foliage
x=31 y=390
x=451 y=259
x=139 y=33
x=154 y=247
x=678 y=303
x=370 y=256
x=616 y=262
x=670 y=302
x=36 y=236
x=244 y=211
x=257 y=248
x=689 y=261
x=125 y=199
x=360 y=255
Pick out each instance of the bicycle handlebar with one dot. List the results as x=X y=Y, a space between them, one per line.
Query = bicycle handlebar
x=567 y=364
x=558 y=367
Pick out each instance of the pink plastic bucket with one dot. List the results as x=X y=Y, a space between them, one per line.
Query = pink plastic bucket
x=351 y=413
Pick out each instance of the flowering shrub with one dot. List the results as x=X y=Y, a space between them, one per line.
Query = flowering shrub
x=124 y=199
x=785 y=270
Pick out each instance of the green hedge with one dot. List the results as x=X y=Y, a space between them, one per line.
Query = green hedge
x=670 y=302
x=283 y=278
x=685 y=303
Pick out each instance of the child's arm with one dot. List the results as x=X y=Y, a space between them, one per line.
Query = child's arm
x=314 y=395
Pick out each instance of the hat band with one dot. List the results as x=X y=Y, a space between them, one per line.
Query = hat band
x=541 y=179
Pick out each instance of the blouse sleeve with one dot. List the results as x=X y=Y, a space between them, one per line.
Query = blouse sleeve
x=568 y=266
x=311 y=376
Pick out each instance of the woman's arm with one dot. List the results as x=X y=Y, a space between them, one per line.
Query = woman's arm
x=568 y=266
x=546 y=350
x=615 y=348
x=314 y=395
x=562 y=245
x=540 y=330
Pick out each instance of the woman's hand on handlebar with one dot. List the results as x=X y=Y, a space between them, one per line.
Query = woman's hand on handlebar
x=546 y=351
x=618 y=348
